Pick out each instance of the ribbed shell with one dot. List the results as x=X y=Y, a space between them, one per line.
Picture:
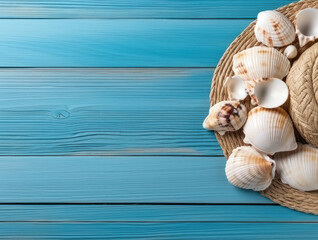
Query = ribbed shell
x=249 y=169
x=260 y=62
x=226 y=116
x=299 y=168
x=274 y=29
x=269 y=130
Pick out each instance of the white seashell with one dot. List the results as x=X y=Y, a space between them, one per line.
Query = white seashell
x=269 y=130
x=274 y=29
x=236 y=88
x=249 y=169
x=260 y=62
x=271 y=93
x=307 y=25
x=291 y=52
x=299 y=168
x=226 y=116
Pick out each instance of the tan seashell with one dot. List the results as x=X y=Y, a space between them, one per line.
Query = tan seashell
x=269 y=130
x=260 y=62
x=291 y=52
x=299 y=168
x=249 y=169
x=226 y=116
x=236 y=88
x=274 y=29
x=306 y=25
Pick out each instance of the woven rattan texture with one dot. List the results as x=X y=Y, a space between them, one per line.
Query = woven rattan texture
x=303 y=87
x=277 y=192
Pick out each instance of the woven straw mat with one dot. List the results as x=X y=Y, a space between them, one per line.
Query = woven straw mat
x=277 y=192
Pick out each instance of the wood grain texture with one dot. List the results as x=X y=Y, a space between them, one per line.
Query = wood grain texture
x=105 y=112
x=119 y=179
x=115 y=43
x=136 y=9
x=152 y=213
x=158 y=230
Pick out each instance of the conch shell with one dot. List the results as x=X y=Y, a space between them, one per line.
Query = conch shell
x=299 y=168
x=226 y=116
x=260 y=62
x=306 y=25
x=269 y=130
x=249 y=169
x=274 y=29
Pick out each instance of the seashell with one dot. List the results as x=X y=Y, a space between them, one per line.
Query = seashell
x=306 y=25
x=291 y=52
x=271 y=93
x=260 y=62
x=249 y=169
x=274 y=29
x=269 y=130
x=299 y=168
x=226 y=116
x=236 y=88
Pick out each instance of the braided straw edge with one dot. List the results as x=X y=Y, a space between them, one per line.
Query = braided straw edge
x=277 y=192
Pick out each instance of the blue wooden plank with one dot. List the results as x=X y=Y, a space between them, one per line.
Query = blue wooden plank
x=136 y=9
x=105 y=112
x=152 y=213
x=119 y=179
x=158 y=231
x=115 y=43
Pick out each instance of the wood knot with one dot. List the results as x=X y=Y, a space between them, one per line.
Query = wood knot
x=60 y=114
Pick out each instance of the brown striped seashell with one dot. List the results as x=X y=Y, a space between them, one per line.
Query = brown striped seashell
x=299 y=168
x=260 y=62
x=274 y=29
x=270 y=130
x=249 y=169
x=226 y=116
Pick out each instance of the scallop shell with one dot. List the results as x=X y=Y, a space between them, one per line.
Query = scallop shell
x=236 y=88
x=274 y=29
x=299 y=168
x=291 y=52
x=249 y=169
x=226 y=116
x=267 y=92
x=271 y=93
x=270 y=130
x=306 y=25
x=260 y=62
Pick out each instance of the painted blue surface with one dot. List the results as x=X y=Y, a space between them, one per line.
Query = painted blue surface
x=101 y=136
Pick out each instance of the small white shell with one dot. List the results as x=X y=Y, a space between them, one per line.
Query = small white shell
x=274 y=29
x=249 y=169
x=271 y=93
x=236 y=88
x=299 y=168
x=260 y=62
x=269 y=130
x=291 y=52
x=226 y=116
x=307 y=25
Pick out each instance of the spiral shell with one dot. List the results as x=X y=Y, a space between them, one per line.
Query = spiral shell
x=274 y=29
x=260 y=62
x=269 y=130
x=299 y=168
x=226 y=116
x=249 y=169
